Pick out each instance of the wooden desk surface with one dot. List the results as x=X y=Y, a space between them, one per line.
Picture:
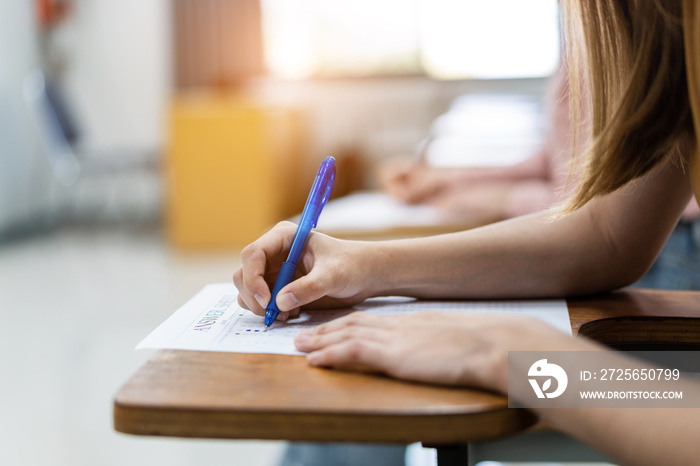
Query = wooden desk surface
x=261 y=396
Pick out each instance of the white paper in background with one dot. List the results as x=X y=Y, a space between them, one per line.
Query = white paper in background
x=213 y=321
x=487 y=130
x=375 y=211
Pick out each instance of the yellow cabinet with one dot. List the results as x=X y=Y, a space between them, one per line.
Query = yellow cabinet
x=234 y=169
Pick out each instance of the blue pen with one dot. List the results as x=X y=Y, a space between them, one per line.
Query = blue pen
x=320 y=192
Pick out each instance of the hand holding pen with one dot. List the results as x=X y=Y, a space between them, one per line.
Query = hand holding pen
x=318 y=197
x=331 y=273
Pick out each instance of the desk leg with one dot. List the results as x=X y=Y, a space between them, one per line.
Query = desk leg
x=451 y=455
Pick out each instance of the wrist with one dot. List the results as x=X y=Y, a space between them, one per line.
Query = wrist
x=495 y=374
x=392 y=268
x=377 y=263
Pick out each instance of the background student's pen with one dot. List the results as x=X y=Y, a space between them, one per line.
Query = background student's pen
x=320 y=192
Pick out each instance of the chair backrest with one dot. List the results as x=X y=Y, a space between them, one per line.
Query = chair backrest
x=56 y=129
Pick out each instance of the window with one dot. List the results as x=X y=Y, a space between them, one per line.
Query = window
x=446 y=39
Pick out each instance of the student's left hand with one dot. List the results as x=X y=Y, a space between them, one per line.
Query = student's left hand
x=441 y=348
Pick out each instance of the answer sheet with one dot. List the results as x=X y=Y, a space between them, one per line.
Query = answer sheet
x=213 y=321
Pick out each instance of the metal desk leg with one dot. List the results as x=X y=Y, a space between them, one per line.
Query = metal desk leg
x=451 y=455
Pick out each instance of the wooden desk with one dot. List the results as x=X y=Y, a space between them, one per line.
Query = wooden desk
x=259 y=396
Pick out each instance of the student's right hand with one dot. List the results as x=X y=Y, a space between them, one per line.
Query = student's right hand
x=410 y=182
x=331 y=272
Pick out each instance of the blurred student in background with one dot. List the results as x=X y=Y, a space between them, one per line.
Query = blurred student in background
x=493 y=191
x=535 y=184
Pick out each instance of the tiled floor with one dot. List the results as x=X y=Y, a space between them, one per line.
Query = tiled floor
x=72 y=307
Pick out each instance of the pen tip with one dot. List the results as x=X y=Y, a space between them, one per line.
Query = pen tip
x=266 y=327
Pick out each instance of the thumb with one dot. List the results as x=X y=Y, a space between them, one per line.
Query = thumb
x=304 y=290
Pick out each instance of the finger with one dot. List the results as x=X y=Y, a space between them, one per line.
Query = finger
x=356 y=319
x=423 y=192
x=245 y=299
x=256 y=256
x=402 y=190
x=238 y=278
x=255 y=309
x=306 y=289
x=356 y=352
x=310 y=341
x=241 y=302
x=285 y=316
x=253 y=275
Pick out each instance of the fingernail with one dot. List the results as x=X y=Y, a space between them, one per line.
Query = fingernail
x=287 y=301
x=302 y=337
x=262 y=301
x=313 y=358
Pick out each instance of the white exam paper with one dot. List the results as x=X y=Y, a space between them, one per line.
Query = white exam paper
x=213 y=321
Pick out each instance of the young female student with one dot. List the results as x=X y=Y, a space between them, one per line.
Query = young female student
x=642 y=62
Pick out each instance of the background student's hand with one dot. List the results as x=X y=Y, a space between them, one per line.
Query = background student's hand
x=488 y=200
x=433 y=347
x=331 y=272
x=409 y=181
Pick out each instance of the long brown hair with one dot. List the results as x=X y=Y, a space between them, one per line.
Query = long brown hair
x=691 y=32
x=634 y=75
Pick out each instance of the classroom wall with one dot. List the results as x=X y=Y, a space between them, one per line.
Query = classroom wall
x=26 y=182
x=118 y=73
x=120 y=79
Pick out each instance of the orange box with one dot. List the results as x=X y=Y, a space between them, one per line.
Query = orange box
x=233 y=170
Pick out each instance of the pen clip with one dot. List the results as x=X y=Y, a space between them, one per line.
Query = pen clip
x=318 y=197
x=325 y=179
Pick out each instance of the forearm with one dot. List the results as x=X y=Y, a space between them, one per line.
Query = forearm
x=634 y=436
x=631 y=436
x=524 y=257
x=607 y=244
